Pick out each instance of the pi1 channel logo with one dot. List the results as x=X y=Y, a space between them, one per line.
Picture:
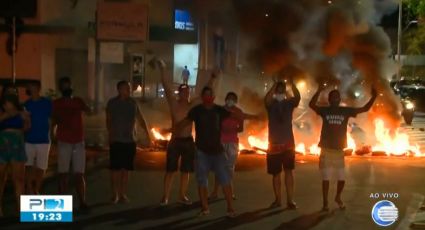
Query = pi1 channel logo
x=384 y=213
x=41 y=208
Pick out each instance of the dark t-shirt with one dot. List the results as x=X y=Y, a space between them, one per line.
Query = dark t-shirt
x=334 y=127
x=280 y=122
x=123 y=113
x=40 y=111
x=208 y=127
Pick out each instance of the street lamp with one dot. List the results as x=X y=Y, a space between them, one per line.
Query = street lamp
x=400 y=33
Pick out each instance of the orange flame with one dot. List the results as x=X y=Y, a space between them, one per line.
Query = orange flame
x=259 y=142
x=396 y=144
x=300 y=148
x=158 y=136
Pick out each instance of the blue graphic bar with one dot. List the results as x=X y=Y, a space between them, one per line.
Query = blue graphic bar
x=46 y=216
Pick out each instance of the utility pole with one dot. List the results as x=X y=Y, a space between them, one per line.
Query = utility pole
x=400 y=15
x=14 y=50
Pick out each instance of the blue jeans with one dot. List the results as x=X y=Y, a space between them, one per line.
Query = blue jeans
x=211 y=162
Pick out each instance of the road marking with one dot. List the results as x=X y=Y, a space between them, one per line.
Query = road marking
x=411 y=211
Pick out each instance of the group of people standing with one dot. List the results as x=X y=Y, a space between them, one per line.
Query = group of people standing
x=216 y=145
x=26 y=131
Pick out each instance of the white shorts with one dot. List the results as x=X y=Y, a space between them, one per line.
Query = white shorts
x=331 y=164
x=74 y=154
x=37 y=155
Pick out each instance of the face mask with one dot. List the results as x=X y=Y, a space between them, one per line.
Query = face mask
x=28 y=92
x=230 y=103
x=67 y=92
x=279 y=97
x=208 y=100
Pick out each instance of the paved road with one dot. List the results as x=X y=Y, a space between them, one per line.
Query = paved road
x=365 y=175
x=416 y=131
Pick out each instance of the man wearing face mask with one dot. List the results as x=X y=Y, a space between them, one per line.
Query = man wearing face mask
x=333 y=140
x=230 y=127
x=281 y=151
x=210 y=156
x=37 y=140
x=68 y=117
x=181 y=146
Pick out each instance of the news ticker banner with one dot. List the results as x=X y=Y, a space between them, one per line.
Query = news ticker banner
x=44 y=208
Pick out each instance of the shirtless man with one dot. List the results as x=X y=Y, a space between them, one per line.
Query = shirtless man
x=181 y=144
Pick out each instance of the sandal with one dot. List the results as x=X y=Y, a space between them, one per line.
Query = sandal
x=203 y=213
x=163 y=203
x=185 y=201
x=291 y=206
x=325 y=209
x=275 y=204
x=231 y=214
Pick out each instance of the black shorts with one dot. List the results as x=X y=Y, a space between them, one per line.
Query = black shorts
x=121 y=155
x=285 y=160
x=183 y=148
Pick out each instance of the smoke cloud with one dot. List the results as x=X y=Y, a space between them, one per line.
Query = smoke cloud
x=337 y=43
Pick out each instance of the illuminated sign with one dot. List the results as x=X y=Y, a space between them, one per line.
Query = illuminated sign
x=183 y=20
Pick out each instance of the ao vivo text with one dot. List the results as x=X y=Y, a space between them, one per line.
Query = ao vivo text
x=384 y=195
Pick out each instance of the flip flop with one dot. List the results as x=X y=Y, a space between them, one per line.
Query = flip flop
x=291 y=206
x=325 y=209
x=115 y=200
x=215 y=197
x=275 y=205
x=185 y=202
x=231 y=214
x=203 y=213
x=163 y=203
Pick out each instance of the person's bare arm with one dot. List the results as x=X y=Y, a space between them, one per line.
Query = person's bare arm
x=143 y=124
x=53 y=125
x=27 y=120
x=4 y=116
x=166 y=82
x=85 y=108
x=297 y=96
x=315 y=98
x=269 y=96
x=241 y=126
x=369 y=104
x=108 y=124
x=211 y=84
